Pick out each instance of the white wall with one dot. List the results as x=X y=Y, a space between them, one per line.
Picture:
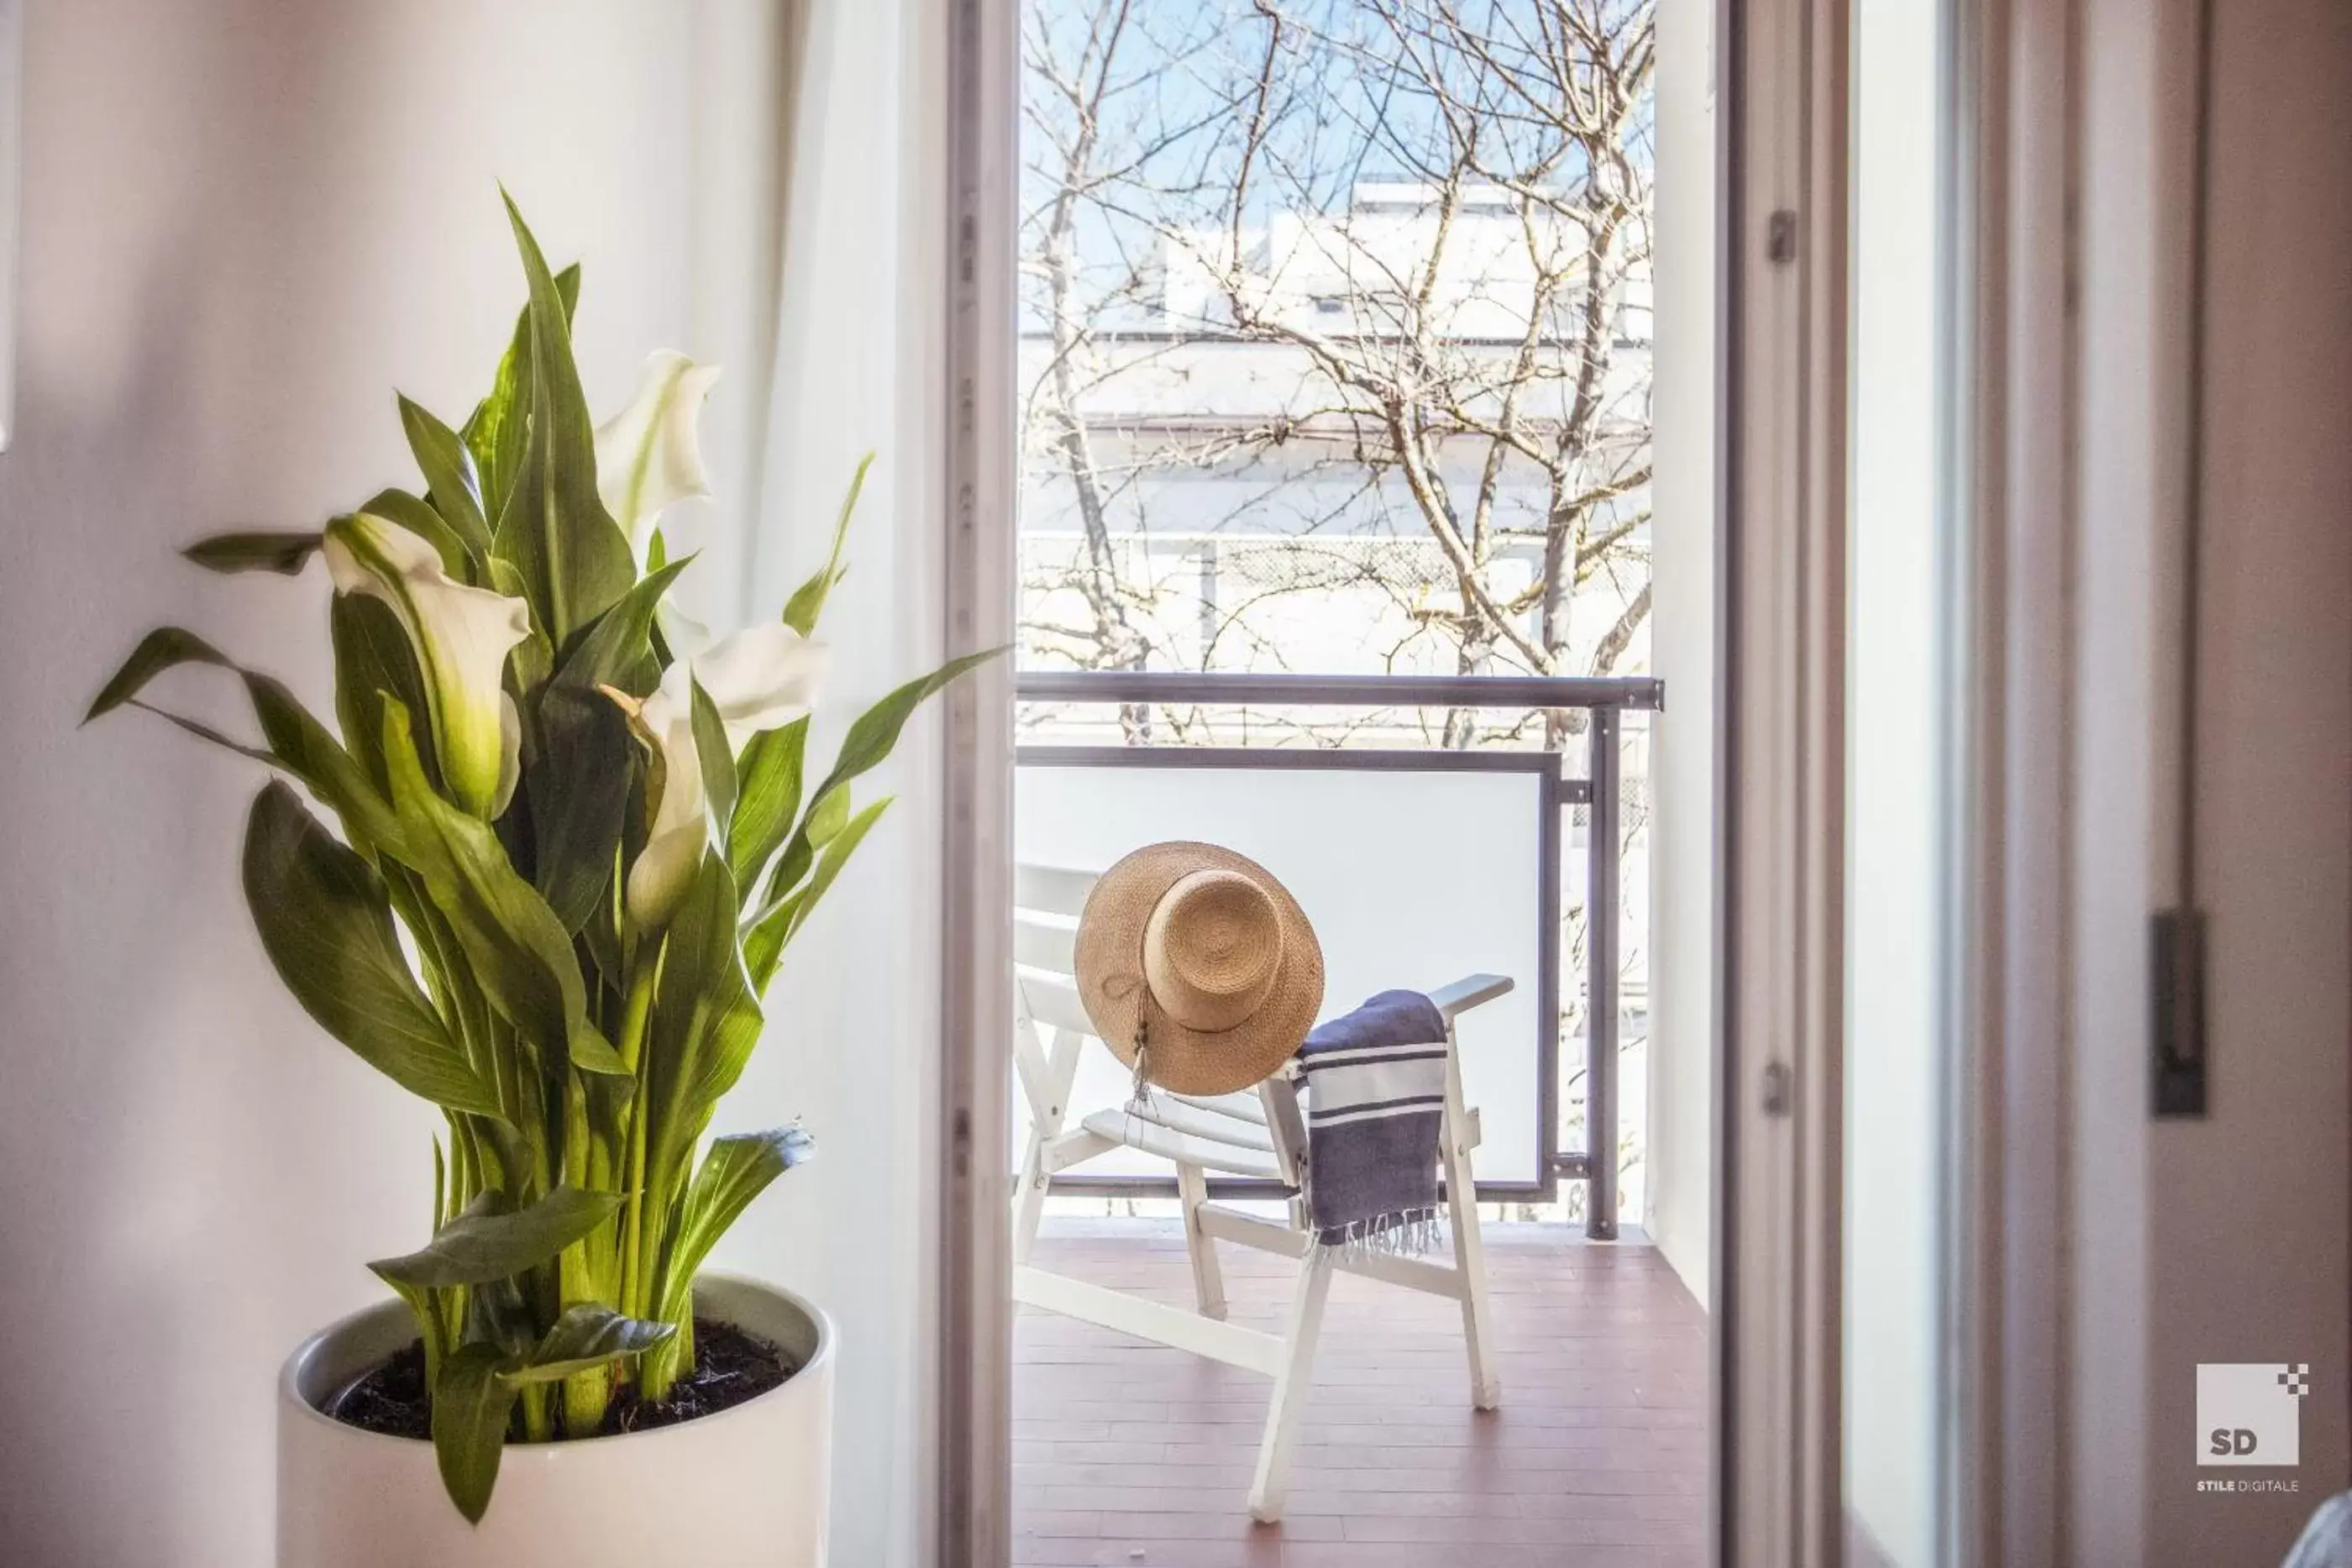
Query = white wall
x=245 y=224
x=1894 y=841
x=1683 y=653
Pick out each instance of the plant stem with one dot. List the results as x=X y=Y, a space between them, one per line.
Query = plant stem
x=538 y=1423
x=641 y=982
x=585 y=1393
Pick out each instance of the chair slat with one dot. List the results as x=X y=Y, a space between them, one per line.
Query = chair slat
x=1053 y=999
x=1245 y=1104
x=1183 y=1117
x=1137 y=1133
x=1054 y=890
x=1042 y=944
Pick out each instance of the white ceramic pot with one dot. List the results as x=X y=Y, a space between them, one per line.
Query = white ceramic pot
x=744 y=1489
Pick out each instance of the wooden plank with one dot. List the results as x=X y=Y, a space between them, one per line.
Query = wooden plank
x=1250 y=1349
x=1604 y=1458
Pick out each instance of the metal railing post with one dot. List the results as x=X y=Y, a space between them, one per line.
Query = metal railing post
x=1602 y=848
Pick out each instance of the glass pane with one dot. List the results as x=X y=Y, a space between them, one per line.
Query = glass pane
x=1336 y=336
x=1336 y=347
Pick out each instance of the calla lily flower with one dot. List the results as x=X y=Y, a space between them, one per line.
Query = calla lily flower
x=461 y=635
x=649 y=455
x=760 y=678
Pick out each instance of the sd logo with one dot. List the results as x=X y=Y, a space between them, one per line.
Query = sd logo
x=2251 y=1413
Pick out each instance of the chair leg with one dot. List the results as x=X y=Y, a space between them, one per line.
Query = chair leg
x=1477 y=1328
x=1469 y=1246
x=1208 y=1281
x=1028 y=1203
x=1049 y=1101
x=1288 y=1409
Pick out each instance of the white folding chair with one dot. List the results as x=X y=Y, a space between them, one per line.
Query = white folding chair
x=1258 y=1132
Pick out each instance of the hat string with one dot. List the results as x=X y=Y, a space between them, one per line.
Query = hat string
x=1139 y=1097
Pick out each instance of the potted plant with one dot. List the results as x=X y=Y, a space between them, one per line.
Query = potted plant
x=576 y=838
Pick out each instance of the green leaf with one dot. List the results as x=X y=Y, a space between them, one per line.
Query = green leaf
x=160 y=650
x=717 y=758
x=579 y=790
x=472 y=1404
x=767 y=796
x=575 y=561
x=831 y=815
x=296 y=742
x=496 y=435
x=286 y=553
x=799 y=854
x=450 y=479
x=326 y=923
x=617 y=650
x=578 y=781
x=703 y=984
x=735 y=1170
x=490 y=1242
x=807 y=602
x=870 y=741
x=520 y=953
x=875 y=733
x=416 y=515
x=587 y=1335
x=374 y=659
x=771 y=930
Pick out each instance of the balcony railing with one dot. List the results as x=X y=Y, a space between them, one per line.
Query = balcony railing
x=1602 y=702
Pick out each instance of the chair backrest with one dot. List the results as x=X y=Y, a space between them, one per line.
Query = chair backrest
x=1047 y=902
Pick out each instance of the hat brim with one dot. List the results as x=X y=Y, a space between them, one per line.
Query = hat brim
x=1109 y=968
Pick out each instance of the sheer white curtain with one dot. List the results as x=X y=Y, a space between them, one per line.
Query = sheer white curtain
x=817 y=276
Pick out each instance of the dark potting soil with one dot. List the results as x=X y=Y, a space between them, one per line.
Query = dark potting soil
x=729 y=1367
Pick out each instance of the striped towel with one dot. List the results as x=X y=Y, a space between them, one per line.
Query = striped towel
x=1375 y=1104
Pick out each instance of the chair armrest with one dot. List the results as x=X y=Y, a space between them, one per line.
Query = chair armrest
x=1452 y=1001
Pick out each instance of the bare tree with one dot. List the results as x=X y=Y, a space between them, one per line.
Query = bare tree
x=1455 y=349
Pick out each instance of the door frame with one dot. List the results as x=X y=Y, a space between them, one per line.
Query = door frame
x=1781 y=424
x=972 y=1439
x=1782 y=418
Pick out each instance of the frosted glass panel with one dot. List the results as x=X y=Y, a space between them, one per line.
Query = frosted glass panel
x=1412 y=879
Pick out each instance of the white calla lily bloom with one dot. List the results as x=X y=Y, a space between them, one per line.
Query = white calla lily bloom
x=760 y=678
x=461 y=635
x=649 y=455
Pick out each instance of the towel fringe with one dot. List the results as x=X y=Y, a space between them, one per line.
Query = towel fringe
x=1413 y=1233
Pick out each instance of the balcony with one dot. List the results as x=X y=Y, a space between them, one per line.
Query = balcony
x=1417 y=863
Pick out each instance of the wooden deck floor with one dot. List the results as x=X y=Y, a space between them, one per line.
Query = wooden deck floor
x=1133 y=1455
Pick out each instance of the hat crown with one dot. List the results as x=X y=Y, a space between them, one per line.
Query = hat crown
x=1212 y=948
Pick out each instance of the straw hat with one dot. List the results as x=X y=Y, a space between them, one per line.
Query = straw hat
x=1198 y=960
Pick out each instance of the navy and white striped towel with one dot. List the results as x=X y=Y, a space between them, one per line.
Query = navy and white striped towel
x=1375 y=1106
